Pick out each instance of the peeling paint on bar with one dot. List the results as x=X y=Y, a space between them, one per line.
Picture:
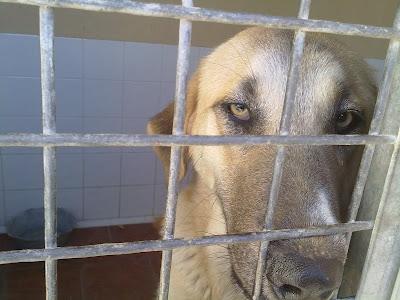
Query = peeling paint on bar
x=215 y=16
x=159 y=245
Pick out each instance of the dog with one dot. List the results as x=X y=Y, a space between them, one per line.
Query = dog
x=239 y=89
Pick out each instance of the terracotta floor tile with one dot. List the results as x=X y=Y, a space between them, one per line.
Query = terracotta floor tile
x=6 y=243
x=133 y=232
x=89 y=236
x=120 y=277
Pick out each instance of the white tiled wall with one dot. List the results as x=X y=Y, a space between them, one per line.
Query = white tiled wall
x=102 y=87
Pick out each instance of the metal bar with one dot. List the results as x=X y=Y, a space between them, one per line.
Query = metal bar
x=376 y=125
x=377 y=120
x=49 y=153
x=291 y=86
x=185 y=35
x=140 y=140
x=396 y=289
x=383 y=257
x=215 y=16
x=33 y=255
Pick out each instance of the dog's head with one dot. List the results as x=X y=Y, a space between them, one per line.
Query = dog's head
x=239 y=89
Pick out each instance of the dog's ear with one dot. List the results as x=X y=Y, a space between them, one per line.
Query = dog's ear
x=162 y=123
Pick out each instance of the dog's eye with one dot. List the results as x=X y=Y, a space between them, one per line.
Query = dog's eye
x=348 y=121
x=240 y=111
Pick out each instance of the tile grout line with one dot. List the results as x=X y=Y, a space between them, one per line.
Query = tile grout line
x=83 y=127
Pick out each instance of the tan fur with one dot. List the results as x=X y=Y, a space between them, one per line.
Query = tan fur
x=205 y=273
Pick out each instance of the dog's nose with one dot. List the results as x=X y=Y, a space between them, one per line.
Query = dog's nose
x=302 y=278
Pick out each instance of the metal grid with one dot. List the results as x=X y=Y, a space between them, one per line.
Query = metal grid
x=49 y=140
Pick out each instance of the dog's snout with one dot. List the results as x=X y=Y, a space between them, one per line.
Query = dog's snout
x=303 y=278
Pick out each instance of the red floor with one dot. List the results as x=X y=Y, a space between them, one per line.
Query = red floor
x=132 y=276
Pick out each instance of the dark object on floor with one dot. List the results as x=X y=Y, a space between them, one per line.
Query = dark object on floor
x=27 y=228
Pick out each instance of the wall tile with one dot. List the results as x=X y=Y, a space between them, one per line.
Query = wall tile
x=134 y=125
x=102 y=169
x=138 y=168
x=136 y=201
x=169 y=60
x=20 y=125
x=68 y=57
x=69 y=170
x=101 y=87
x=102 y=98
x=2 y=211
x=141 y=99
x=203 y=52
x=160 y=200
x=18 y=201
x=103 y=59
x=142 y=62
x=69 y=125
x=23 y=171
x=167 y=94
x=19 y=55
x=101 y=203
x=69 y=96
x=102 y=125
x=102 y=150
x=159 y=172
x=21 y=150
x=20 y=97
x=1 y=171
x=72 y=201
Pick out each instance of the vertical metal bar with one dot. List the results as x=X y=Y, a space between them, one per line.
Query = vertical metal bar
x=376 y=123
x=185 y=34
x=391 y=63
x=396 y=289
x=49 y=159
x=291 y=86
x=383 y=258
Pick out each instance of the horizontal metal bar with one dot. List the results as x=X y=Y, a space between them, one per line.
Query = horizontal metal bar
x=142 y=140
x=33 y=255
x=209 y=15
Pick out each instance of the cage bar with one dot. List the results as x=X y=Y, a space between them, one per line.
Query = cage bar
x=49 y=140
x=139 y=140
x=377 y=120
x=383 y=257
x=182 y=70
x=49 y=160
x=382 y=263
x=33 y=255
x=291 y=86
x=216 y=16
